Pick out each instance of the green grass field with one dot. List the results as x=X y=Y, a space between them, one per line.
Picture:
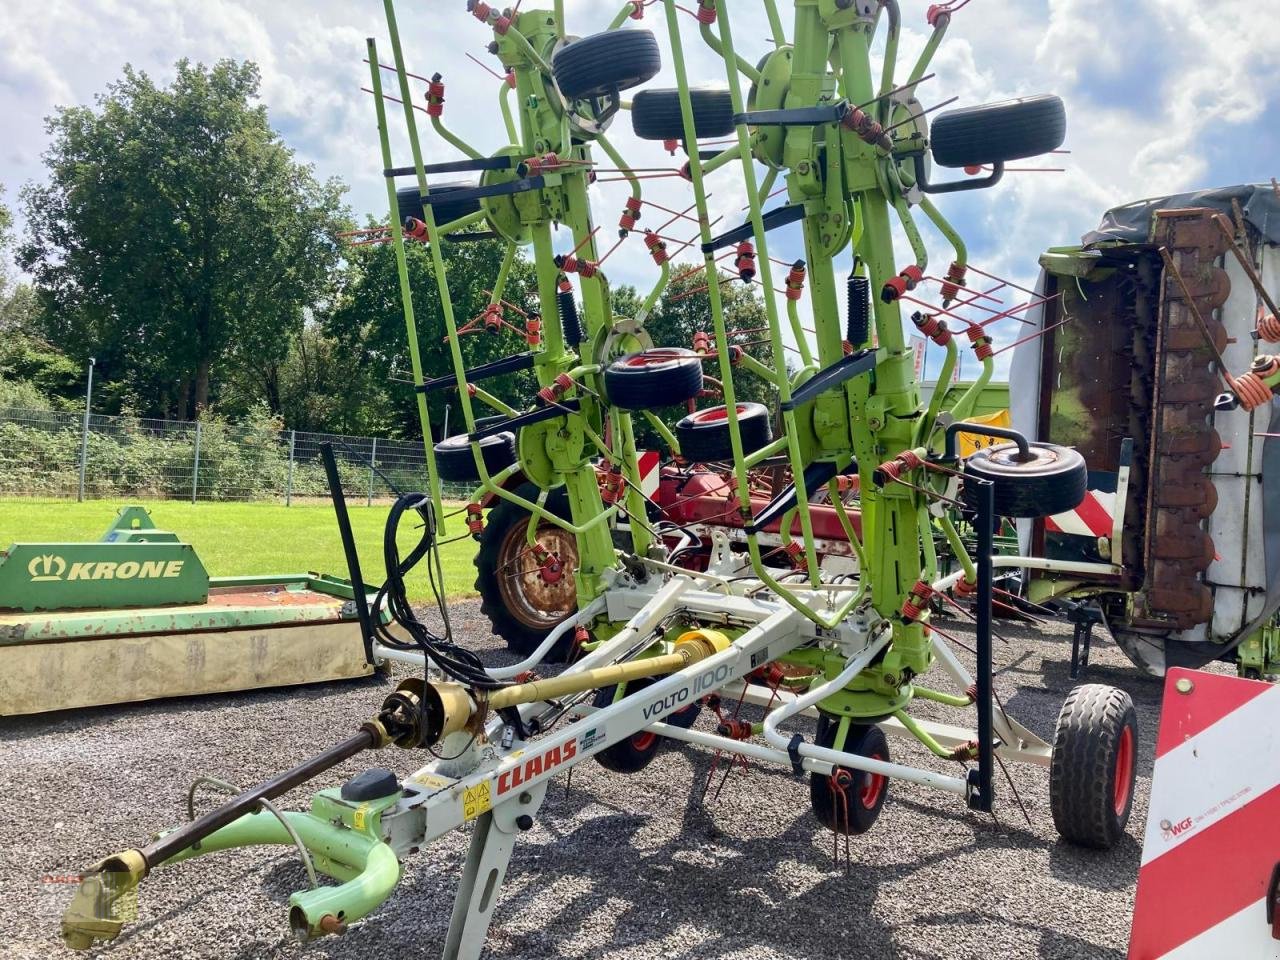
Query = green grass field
x=236 y=539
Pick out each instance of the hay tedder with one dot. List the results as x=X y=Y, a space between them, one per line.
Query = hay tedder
x=656 y=638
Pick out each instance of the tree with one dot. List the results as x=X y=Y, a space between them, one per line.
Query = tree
x=176 y=236
x=367 y=322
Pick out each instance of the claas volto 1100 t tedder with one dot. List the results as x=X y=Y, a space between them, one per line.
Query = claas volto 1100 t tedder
x=658 y=641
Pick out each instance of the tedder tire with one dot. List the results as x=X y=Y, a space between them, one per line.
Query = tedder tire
x=605 y=63
x=653 y=379
x=522 y=606
x=409 y=199
x=455 y=462
x=1008 y=130
x=638 y=750
x=655 y=114
x=704 y=434
x=1054 y=481
x=1095 y=761
x=849 y=801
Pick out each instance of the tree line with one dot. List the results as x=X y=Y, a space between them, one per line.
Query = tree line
x=177 y=239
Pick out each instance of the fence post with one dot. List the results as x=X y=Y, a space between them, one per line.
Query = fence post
x=373 y=456
x=84 y=432
x=288 y=489
x=195 y=466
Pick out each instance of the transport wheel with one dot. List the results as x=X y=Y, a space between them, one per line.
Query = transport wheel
x=409 y=199
x=605 y=63
x=655 y=114
x=1095 y=754
x=653 y=379
x=523 y=599
x=1053 y=481
x=638 y=750
x=849 y=801
x=704 y=434
x=455 y=462
x=1008 y=130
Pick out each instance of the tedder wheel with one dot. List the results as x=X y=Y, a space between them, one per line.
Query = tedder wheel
x=1095 y=762
x=1053 y=481
x=704 y=434
x=455 y=462
x=409 y=200
x=605 y=63
x=849 y=801
x=1008 y=130
x=655 y=114
x=638 y=750
x=523 y=599
x=653 y=379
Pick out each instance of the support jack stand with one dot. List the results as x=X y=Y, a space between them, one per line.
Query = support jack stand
x=1085 y=617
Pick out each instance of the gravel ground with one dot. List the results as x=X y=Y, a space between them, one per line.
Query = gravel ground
x=616 y=867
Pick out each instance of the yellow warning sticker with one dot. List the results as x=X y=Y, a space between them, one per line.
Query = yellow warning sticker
x=476 y=800
x=432 y=781
x=358 y=818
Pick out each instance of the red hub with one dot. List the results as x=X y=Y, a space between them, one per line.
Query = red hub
x=1124 y=771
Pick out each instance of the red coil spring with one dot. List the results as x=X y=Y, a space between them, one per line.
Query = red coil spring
x=1251 y=390
x=917 y=601
x=637 y=12
x=630 y=214
x=795 y=280
x=954 y=280
x=706 y=12
x=981 y=343
x=795 y=552
x=867 y=128
x=564 y=286
x=611 y=489
x=533 y=331
x=584 y=268
x=493 y=317
x=894 y=289
x=535 y=165
x=502 y=25
x=415 y=229
x=435 y=98
x=913 y=275
x=734 y=729
x=481 y=10
x=702 y=343
x=848 y=483
x=932 y=327
x=745 y=262
x=963 y=588
x=671 y=146
x=1269 y=328
x=895 y=468
x=735 y=355
x=511 y=78
x=471 y=389
x=657 y=249
x=475 y=519
x=848 y=348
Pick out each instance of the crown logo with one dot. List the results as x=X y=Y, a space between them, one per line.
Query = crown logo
x=47 y=567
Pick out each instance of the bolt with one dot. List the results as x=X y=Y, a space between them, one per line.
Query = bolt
x=526 y=797
x=1184 y=685
x=524 y=821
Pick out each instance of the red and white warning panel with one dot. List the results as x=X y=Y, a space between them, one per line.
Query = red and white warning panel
x=1093 y=518
x=1207 y=884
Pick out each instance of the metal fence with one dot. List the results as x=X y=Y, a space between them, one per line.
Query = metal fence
x=63 y=454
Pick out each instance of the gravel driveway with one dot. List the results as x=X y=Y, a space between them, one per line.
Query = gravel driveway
x=616 y=867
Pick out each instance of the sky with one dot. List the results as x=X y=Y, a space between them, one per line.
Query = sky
x=1161 y=95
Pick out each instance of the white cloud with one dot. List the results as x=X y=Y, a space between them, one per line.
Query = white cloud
x=1176 y=74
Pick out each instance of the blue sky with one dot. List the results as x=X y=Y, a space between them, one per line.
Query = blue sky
x=1162 y=95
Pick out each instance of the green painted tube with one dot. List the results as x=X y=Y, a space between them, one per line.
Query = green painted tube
x=963 y=407
x=504 y=104
x=748 y=70
x=775 y=23
x=366 y=866
x=957 y=547
x=663 y=431
x=939 y=696
x=930 y=48
x=797 y=331
x=406 y=292
x=932 y=745
x=944 y=227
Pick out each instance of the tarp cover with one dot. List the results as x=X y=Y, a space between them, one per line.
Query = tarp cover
x=1131 y=223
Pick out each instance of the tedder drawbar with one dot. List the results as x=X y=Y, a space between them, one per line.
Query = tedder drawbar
x=658 y=641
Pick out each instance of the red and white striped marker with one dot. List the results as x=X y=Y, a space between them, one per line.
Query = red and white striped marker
x=1093 y=518
x=1213 y=828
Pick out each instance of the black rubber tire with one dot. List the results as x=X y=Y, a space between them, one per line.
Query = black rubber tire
x=655 y=114
x=455 y=463
x=637 y=751
x=605 y=63
x=1008 y=130
x=653 y=379
x=409 y=199
x=1091 y=777
x=1054 y=482
x=865 y=792
x=704 y=434
x=508 y=519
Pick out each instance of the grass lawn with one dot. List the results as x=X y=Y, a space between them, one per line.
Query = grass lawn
x=236 y=539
